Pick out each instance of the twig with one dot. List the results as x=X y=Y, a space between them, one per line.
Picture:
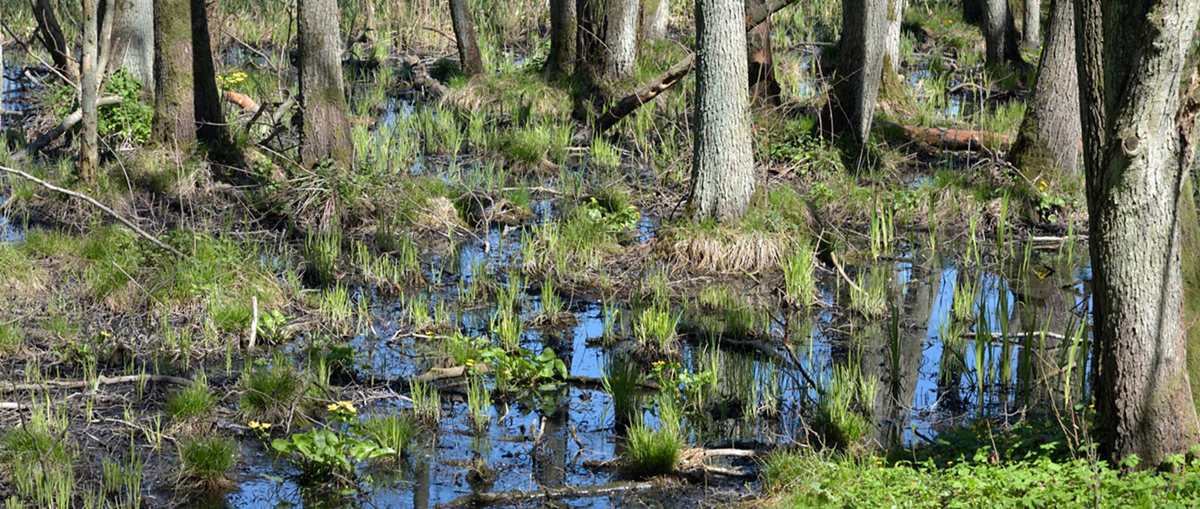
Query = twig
x=253 y=323
x=99 y=205
x=842 y=272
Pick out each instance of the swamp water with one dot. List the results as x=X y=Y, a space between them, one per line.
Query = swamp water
x=960 y=344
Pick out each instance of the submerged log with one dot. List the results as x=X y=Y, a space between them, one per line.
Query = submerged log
x=516 y=497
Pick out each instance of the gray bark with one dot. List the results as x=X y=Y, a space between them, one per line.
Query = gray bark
x=723 y=164
x=860 y=61
x=561 y=61
x=1131 y=56
x=326 y=130
x=891 y=45
x=133 y=39
x=1050 y=135
x=1000 y=33
x=1031 y=28
x=464 y=35
x=655 y=15
x=621 y=37
x=89 y=157
x=174 y=97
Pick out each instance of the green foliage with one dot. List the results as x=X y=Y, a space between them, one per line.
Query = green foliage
x=845 y=405
x=799 y=282
x=655 y=328
x=191 y=402
x=207 y=458
x=807 y=479
x=325 y=456
x=611 y=214
x=131 y=120
x=794 y=141
x=393 y=431
x=622 y=381
x=523 y=369
x=651 y=452
x=272 y=391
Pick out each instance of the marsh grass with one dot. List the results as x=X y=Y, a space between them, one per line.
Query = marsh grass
x=845 y=406
x=479 y=404
x=427 y=403
x=652 y=452
x=655 y=330
x=323 y=252
x=274 y=391
x=208 y=459
x=870 y=298
x=394 y=431
x=622 y=381
x=799 y=280
x=191 y=403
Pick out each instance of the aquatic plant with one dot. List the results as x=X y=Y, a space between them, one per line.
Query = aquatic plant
x=322 y=252
x=799 y=281
x=272 y=391
x=427 y=402
x=655 y=328
x=479 y=403
x=207 y=459
x=622 y=381
x=392 y=431
x=329 y=456
x=652 y=452
x=869 y=297
x=845 y=406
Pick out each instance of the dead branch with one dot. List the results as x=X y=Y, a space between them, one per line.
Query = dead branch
x=83 y=384
x=45 y=139
x=99 y=205
x=516 y=497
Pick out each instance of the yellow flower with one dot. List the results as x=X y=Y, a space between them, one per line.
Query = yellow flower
x=105 y=334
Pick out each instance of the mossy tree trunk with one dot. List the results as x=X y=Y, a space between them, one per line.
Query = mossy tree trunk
x=723 y=164
x=1049 y=139
x=1131 y=55
x=655 y=16
x=133 y=39
x=464 y=34
x=891 y=90
x=325 y=134
x=764 y=88
x=851 y=107
x=174 y=97
x=561 y=61
x=1000 y=33
x=607 y=44
x=1190 y=233
x=1031 y=26
x=89 y=155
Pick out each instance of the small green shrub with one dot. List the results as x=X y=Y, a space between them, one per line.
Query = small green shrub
x=272 y=391
x=191 y=402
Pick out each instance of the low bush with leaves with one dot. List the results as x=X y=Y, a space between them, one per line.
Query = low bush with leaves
x=330 y=455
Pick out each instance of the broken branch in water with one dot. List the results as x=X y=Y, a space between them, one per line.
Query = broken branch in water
x=99 y=205
x=104 y=380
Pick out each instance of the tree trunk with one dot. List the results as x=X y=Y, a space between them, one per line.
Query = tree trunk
x=51 y=35
x=133 y=39
x=1131 y=55
x=621 y=37
x=210 y=120
x=326 y=130
x=370 y=27
x=851 y=107
x=1031 y=28
x=1048 y=142
x=561 y=61
x=655 y=15
x=174 y=98
x=973 y=11
x=1000 y=33
x=464 y=34
x=89 y=156
x=723 y=164
x=891 y=45
x=764 y=89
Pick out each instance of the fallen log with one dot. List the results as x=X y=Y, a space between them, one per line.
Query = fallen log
x=952 y=139
x=83 y=384
x=243 y=101
x=516 y=497
x=74 y=118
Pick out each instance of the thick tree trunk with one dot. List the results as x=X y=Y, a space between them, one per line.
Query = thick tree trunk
x=1049 y=139
x=561 y=61
x=1131 y=56
x=89 y=154
x=973 y=11
x=655 y=15
x=51 y=35
x=174 y=98
x=851 y=107
x=764 y=89
x=1000 y=33
x=464 y=34
x=1031 y=27
x=621 y=37
x=723 y=164
x=210 y=120
x=133 y=39
x=326 y=131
